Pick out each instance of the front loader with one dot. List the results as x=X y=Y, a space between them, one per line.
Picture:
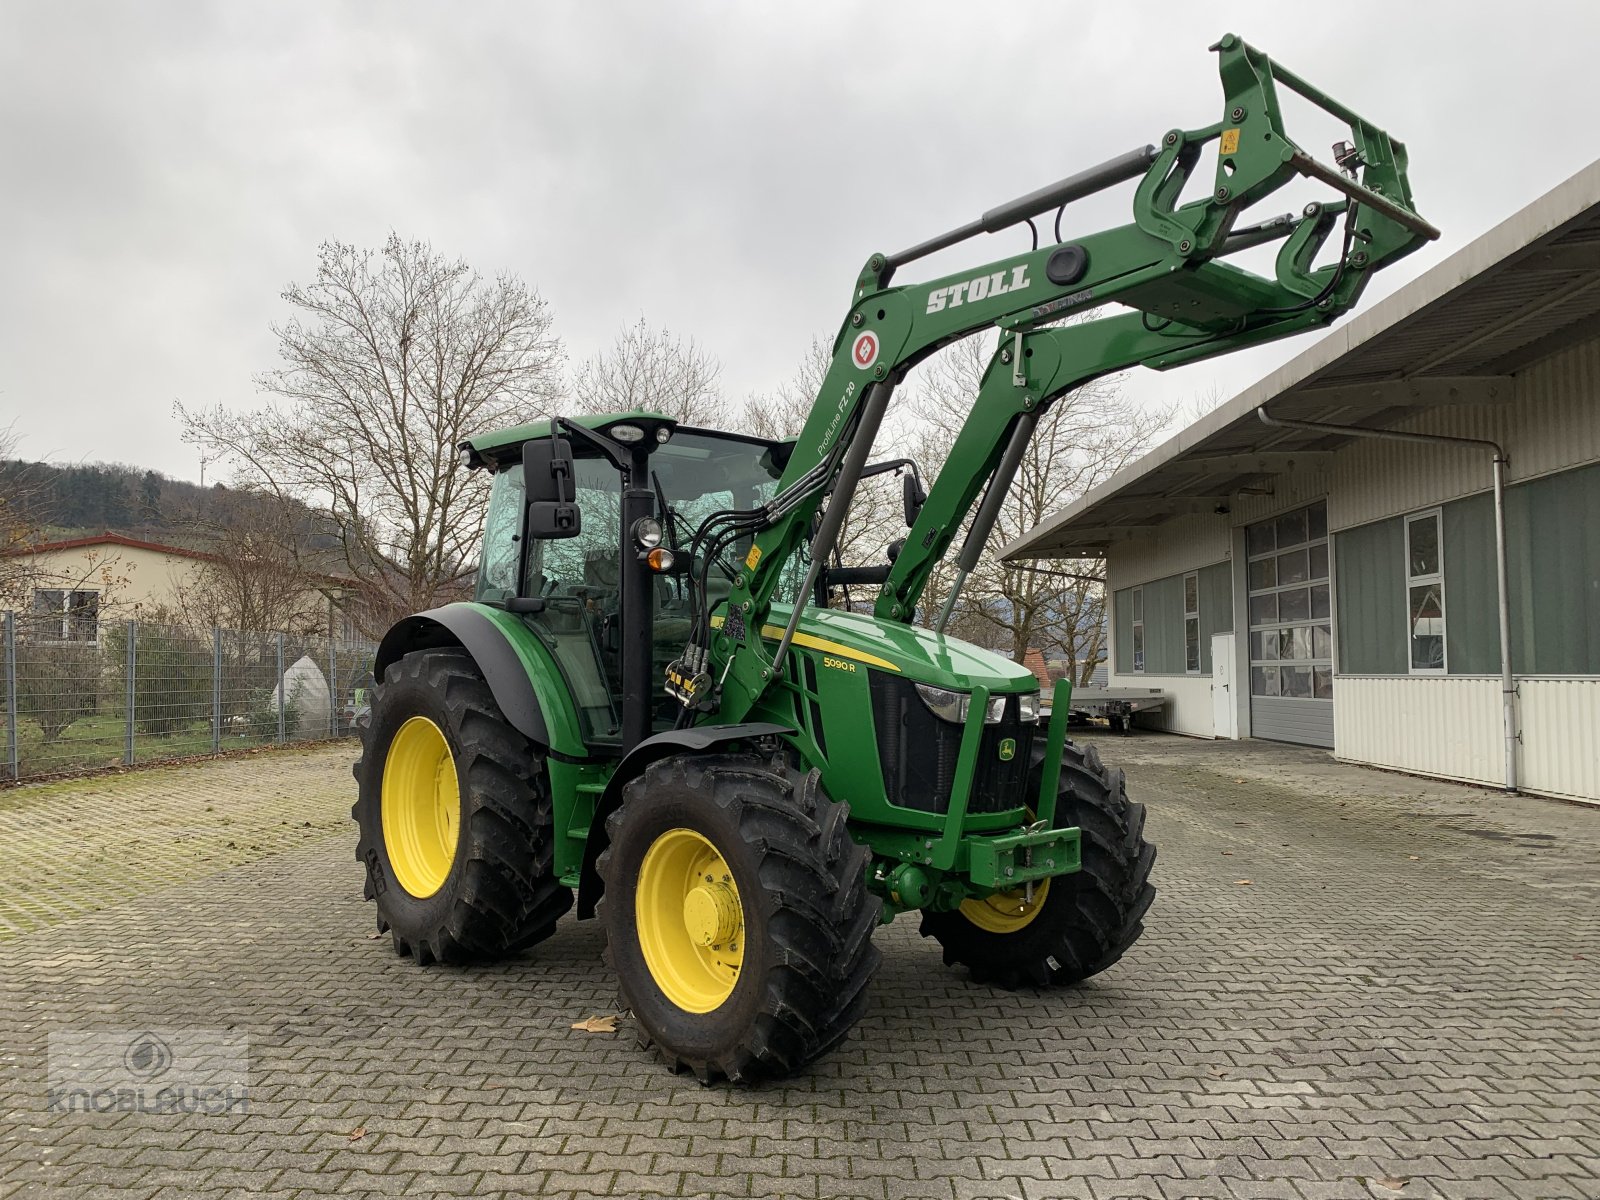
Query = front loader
x=650 y=705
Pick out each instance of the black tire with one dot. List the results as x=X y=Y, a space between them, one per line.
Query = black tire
x=808 y=917
x=1086 y=921
x=501 y=894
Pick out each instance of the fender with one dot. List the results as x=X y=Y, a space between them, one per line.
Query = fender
x=501 y=661
x=633 y=764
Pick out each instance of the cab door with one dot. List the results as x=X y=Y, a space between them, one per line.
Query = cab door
x=578 y=580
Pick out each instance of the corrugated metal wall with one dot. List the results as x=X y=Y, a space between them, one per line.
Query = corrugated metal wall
x=1163 y=626
x=1188 y=707
x=1122 y=629
x=1553 y=423
x=1559 y=720
x=1164 y=652
x=1189 y=696
x=1434 y=725
x=1450 y=726
x=1553 y=548
x=1553 y=529
x=1369 y=579
x=1181 y=544
x=1471 y=586
x=1216 y=607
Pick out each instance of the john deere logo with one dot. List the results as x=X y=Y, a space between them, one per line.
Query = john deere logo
x=1008 y=749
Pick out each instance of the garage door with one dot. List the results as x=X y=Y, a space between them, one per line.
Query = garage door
x=1291 y=628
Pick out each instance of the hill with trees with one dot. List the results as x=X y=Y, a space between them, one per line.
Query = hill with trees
x=81 y=499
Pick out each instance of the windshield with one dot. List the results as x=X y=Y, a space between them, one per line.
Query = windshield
x=702 y=473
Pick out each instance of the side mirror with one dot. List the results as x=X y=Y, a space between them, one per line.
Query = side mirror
x=548 y=481
x=914 y=497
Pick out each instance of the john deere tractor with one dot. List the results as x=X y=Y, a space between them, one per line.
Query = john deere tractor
x=653 y=704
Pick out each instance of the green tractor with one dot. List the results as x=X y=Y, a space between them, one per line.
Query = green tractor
x=650 y=705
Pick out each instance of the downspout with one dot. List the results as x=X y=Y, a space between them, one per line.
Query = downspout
x=1508 y=687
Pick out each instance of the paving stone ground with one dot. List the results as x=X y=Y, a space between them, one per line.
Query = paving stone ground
x=1402 y=1001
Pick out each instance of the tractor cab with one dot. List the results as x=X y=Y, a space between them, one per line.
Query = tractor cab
x=573 y=580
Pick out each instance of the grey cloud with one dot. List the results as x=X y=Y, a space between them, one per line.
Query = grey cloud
x=723 y=169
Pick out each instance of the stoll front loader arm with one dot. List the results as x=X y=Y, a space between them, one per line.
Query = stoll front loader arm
x=1169 y=266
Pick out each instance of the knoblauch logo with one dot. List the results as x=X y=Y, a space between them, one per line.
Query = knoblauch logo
x=147 y=1057
x=171 y=1072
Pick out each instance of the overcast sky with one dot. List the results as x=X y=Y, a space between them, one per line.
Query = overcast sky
x=721 y=169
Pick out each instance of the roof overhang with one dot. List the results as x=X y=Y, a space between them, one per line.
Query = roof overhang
x=1456 y=335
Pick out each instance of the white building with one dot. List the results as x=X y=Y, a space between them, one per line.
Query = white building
x=1333 y=588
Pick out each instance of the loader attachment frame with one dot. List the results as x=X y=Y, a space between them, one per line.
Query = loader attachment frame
x=1168 y=266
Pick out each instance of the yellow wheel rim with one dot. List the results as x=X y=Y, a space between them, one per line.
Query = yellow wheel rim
x=421 y=807
x=1006 y=912
x=690 y=920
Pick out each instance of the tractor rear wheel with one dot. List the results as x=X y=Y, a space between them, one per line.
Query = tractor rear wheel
x=737 y=915
x=455 y=819
x=1073 y=926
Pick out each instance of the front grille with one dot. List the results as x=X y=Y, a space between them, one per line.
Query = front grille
x=918 y=752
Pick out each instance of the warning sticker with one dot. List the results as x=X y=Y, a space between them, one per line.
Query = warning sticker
x=1230 y=141
x=751 y=559
x=865 y=351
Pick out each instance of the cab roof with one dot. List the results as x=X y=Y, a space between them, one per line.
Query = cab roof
x=499 y=445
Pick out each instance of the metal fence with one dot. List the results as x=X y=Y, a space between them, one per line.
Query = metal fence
x=79 y=697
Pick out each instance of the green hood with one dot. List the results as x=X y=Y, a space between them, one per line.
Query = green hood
x=918 y=654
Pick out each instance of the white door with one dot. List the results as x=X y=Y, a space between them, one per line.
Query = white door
x=1224 y=708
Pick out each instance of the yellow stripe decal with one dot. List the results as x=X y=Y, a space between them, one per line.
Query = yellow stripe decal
x=775 y=633
x=805 y=639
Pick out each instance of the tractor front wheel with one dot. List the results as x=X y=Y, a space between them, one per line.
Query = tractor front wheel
x=455 y=818
x=1072 y=926
x=737 y=915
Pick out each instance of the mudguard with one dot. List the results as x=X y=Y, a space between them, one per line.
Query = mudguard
x=511 y=659
x=674 y=741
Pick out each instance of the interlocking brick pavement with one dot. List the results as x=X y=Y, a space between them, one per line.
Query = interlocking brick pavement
x=1403 y=1001
x=84 y=844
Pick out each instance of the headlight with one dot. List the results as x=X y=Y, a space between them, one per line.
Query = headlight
x=945 y=704
x=626 y=434
x=953 y=706
x=1029 y=706
x=647 y=533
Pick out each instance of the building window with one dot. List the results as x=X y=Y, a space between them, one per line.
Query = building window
x=1138 y=630
x=1290 y=606
x=1425 y=593
x=1191 y=623
x=65 y=615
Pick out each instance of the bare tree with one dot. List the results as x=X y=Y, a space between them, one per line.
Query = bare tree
x=652 y=369
x=783 y=413
x=21 y=493
x=1085 y=437
x=1199 y=404
x=876 y=517
x=262 y=571
x=393 y=358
